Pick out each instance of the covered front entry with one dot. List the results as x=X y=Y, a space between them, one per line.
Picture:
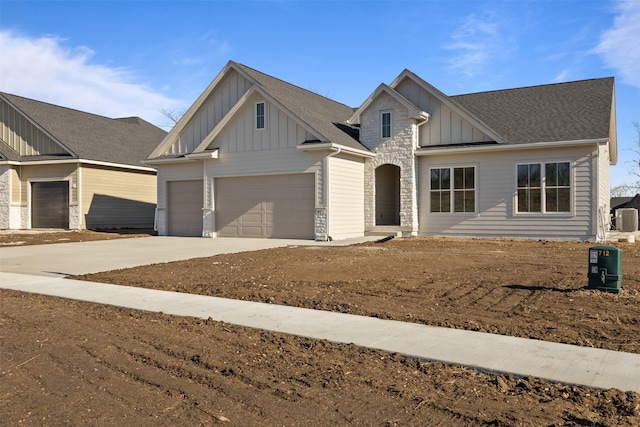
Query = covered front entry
x=388 y=195
x=278 y=206
x=50 y=204
x=184 y=201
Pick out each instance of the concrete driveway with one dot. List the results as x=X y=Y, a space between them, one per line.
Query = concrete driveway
x=64 y=259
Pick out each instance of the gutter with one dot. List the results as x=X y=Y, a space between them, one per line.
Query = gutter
x=424 y=151
x=332 y=146
x=77 y=161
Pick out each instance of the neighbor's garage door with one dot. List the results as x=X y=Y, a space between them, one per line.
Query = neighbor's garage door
x=50 y=204
x=184 y=201
x=279 y=206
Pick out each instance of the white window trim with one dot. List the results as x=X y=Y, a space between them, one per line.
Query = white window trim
x=255 y=115
x=452 y=190
x=390 y=113
x=543 y=201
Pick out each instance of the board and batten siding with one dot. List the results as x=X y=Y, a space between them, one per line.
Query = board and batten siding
x=215 y=107
x=241 y=135
x=23 y=136
x=346 y=197
x=117 y=198
x=495 y=215
x=445 y=126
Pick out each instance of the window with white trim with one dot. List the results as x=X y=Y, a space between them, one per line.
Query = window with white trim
x=386 y=124
x=260 y=115
x=544 y=187
x=457 y=196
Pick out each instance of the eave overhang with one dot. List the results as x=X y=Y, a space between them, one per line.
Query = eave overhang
x=323 y=146
x=77 y=161
x=434 y=150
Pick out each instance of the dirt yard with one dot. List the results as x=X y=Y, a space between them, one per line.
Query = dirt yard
x=70 y=363
x=43 y=237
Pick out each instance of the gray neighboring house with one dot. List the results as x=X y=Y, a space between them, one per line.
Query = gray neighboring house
x=255 y=156
x=63 y=168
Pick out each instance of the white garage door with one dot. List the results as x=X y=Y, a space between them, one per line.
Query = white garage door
x=279 y=206
x=184 y=201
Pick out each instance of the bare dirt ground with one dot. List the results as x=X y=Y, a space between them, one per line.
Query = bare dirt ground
x=70 y=363
x=43 y=237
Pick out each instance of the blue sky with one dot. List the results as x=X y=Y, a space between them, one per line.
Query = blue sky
x=135 y=58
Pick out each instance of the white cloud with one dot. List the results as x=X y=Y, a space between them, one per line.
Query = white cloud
x=561 y=77
x=620 y=45
x=43 y=69
x=478 y=41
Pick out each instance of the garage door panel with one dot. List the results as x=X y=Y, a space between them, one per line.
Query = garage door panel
x=50 y=204
x=279 y=206
x=184 y=200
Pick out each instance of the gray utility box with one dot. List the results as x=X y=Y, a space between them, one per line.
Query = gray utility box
x=605 y=268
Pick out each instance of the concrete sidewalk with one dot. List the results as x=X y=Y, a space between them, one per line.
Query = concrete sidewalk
x=494 y=353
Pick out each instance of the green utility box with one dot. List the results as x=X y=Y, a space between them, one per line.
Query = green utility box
x=605 y=268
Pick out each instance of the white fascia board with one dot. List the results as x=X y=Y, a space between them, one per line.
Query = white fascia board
x=508 y=147
x=82 y=162
x=203 y=155
x=442 y=97
x=331 y=146
x=43 y=130
x=173 y=134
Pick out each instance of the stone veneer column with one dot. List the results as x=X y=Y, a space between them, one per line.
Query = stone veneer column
x=398 y=150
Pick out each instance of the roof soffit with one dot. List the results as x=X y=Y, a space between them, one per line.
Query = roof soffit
x=38 y=126
x=446 y=100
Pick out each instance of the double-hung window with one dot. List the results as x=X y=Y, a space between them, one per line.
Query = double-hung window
x=457 y=194
x=544 y=187
x=386 y=124
x=260 y=115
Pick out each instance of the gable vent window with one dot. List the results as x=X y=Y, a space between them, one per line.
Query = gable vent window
x=386 y=125
x=260 y=115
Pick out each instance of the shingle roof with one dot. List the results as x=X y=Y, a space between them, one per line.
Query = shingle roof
x=556 y=112
x=326 y=116
x=125 y=141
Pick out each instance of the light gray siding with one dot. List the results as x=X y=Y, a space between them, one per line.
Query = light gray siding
x=496 y=214
x=218 y=104
x=280 y=131
x=445 y=126
x=346 y=197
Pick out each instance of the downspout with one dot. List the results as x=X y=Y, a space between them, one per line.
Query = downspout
x=326 y=188
x=425 y=118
